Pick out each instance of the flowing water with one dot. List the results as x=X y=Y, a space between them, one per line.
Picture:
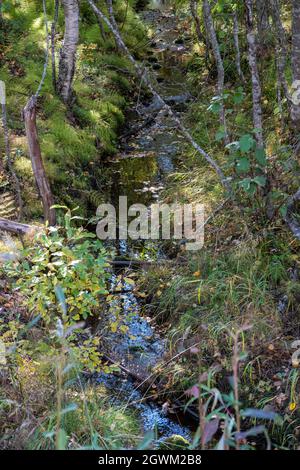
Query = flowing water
x=146 y=157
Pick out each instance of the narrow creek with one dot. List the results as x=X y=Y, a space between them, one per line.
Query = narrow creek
x=145 y=159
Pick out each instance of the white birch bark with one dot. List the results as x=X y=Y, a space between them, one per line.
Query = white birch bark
x=68 y=51
x=256 y=86
x=295 y=108
x=219 y=62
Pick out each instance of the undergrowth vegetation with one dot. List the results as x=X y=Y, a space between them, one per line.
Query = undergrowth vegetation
x=73 y=143
x=230 y=312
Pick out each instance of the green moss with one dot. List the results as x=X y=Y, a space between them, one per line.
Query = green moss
x=70 y=142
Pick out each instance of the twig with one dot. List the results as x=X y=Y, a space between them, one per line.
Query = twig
x=37 y=93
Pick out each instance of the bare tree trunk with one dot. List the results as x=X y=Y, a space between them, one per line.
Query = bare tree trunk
x=68 y=51
x=143 y=73
x=263 y=24
x=53 y=32
x=193 y=8
x=237 y=46
x=281 y=46
x=112 y=17
x=295 y=109
x=102 y=31
x=256 y=87
x=219 y=62
x=36 y=160
x=202 y=38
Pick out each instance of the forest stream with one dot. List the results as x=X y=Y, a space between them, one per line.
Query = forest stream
x=139 y=172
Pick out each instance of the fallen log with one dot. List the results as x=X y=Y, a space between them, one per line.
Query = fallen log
x=17 y=228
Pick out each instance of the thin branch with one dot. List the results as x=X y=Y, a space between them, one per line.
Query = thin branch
x=37 y=93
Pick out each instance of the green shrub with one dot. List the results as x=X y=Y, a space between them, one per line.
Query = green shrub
x=69 y=258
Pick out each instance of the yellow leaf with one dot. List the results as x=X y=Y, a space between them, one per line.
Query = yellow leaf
x=292 y=406
x=129 y=281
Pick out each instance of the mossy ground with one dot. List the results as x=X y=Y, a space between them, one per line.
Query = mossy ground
x=73 y=142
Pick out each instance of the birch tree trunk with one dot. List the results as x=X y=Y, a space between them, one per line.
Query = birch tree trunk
x=36 y=160
x=68 y=51
x=295 y=109
x=53 y=31
x=219 y=62
x=256 y=87
x=280 y=58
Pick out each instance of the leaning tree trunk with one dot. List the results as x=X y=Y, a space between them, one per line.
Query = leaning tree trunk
x=68 y=51
x=144 y=75
x=256 y=87
x=41 y=179
x=295 y=109
x=219 y=62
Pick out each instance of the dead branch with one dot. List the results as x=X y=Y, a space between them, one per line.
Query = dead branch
x=17 y=228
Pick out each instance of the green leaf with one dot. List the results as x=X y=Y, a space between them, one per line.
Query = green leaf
x=61 y=298
x=260 y=156
x=238 y=96
x=260 y=181
x=220 y=135
x=214 y=108
x=246 y=143
x=243 y=165
x=283 y=211
x=62 y=439
x=248 y=186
